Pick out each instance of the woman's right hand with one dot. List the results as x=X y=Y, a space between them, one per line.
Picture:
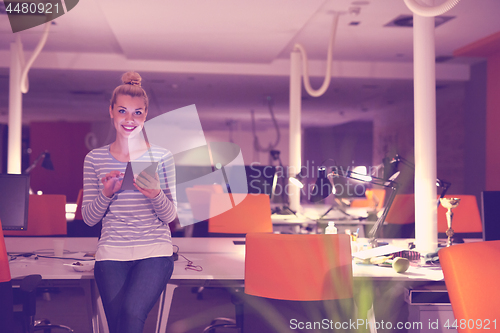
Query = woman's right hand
x=112 y=183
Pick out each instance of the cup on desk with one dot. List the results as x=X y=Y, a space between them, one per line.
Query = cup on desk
x=59 y=246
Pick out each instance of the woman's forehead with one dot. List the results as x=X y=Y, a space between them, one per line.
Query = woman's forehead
x=129 y=101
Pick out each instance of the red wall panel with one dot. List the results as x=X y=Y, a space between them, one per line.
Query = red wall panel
x=65 y=142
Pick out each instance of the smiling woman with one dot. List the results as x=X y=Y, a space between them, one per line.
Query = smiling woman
x=134 y=254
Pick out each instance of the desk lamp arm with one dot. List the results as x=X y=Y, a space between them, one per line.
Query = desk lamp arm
x=380 y=221
x=445 y=185
x=47 y=163
x=33 y=165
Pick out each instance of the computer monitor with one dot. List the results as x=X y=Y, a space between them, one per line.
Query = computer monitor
x=260 y=178
x=14 y=200
x=490 y=215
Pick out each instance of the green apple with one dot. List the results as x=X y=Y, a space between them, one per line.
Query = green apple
x=400 y=265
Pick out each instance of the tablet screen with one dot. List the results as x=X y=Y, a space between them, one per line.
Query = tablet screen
x=135 y=168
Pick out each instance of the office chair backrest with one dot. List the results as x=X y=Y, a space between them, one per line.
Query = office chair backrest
x=402 y=210
x=4 y=259
x=46 y=216
x=250 y=213
x=377 y=195
x=6 y=297
x=471 y=274
x=298 y=267
x=199 y=199
x=466 y=218
x=374 y=199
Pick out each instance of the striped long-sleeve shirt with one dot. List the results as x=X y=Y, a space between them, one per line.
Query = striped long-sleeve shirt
x=133 y=226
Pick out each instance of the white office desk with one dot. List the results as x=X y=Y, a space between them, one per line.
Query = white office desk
x=53 y=271
x=222 y=262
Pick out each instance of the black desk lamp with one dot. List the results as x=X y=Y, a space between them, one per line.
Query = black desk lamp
x=389 y=183
x=393 y=185
x=392 y=165
x=46 y=163
x=285 y=210
x=323 y=187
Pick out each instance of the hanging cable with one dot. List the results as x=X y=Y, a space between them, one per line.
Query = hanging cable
x=256 y=143
x=36 y=52
x=428 y=11
x=328 y=74
x=229 y=124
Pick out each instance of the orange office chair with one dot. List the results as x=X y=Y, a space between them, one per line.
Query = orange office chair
x=296 y=278
x=402 y=210
x=374 y=199
x=400 y=220
x=252 y=213
x=6 y=300
x=199 y=199
x=471 y=275
x=466 y=218
x=46 y=216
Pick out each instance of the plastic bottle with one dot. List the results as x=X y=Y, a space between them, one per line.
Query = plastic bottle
x=331 y=229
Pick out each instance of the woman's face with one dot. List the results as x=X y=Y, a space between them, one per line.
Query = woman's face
x=128 y=114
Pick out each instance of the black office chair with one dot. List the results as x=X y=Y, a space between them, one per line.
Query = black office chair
x=26 y=296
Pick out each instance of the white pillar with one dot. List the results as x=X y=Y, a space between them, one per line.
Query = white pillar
x=295 y=127
x=15 y=111
x=425 y=133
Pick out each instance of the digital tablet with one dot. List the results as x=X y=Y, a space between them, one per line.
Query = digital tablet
x=135 y=168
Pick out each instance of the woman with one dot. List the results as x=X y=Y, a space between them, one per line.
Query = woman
x=134 y=254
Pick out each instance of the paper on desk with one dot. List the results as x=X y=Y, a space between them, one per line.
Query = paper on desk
x=77 y=255
x=378 y=251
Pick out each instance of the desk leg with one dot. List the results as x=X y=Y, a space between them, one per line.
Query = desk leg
x=164 y=308
x=99 y=322
x=89 y=300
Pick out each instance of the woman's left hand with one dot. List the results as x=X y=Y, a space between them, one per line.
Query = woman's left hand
x=147 y=184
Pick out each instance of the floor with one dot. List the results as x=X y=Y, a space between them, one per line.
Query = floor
x=188 y=314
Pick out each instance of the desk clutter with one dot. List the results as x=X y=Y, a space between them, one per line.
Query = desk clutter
x=82 y=266
x=222 y=261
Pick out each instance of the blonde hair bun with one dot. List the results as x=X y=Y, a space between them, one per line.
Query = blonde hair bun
x=132 y=78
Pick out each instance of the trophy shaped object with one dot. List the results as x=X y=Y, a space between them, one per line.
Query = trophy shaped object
x=449 y=203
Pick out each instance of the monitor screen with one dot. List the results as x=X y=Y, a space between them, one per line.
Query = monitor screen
x=491 y=217
x=14 y=199
x=260 y=178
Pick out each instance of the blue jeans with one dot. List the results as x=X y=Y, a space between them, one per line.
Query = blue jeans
x=130 y=289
